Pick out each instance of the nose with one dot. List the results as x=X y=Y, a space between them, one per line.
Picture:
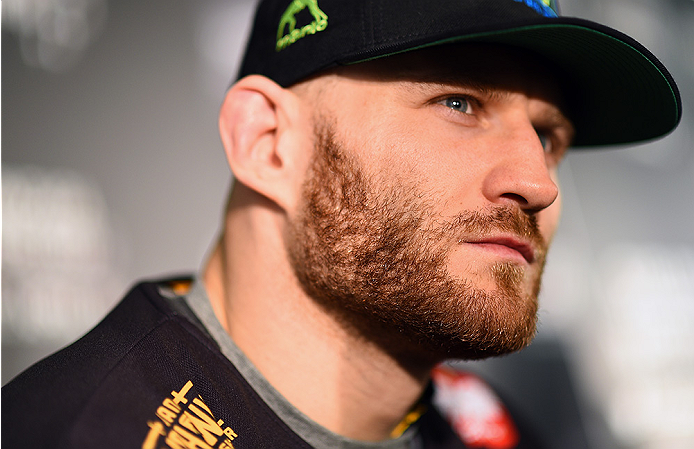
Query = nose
x=520 y=173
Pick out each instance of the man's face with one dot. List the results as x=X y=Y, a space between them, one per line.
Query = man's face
x=430 y=201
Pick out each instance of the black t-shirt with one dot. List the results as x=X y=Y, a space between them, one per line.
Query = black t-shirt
x=150 y=376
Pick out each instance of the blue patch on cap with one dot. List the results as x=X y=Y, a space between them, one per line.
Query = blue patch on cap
x=545 y=7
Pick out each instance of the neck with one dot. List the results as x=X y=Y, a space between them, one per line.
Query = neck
x=347 y=384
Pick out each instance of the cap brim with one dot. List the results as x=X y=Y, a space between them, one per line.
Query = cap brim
x=618 y=92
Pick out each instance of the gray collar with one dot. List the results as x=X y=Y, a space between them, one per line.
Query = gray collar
x=313 y=433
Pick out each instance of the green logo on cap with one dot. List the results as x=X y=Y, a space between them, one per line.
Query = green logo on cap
x=320 y=22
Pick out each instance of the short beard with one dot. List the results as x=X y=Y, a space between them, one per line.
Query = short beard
x=374 y=256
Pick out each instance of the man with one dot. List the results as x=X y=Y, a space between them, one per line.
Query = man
x=395 y=195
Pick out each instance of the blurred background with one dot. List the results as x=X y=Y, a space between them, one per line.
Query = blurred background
x=112 y=171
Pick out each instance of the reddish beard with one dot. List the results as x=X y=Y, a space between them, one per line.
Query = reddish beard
x=371 y=256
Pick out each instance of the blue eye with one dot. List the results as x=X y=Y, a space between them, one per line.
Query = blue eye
x=459 y=104
x=545 y=141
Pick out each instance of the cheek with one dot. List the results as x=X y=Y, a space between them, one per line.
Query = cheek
x=417 y=155
x=400 y=149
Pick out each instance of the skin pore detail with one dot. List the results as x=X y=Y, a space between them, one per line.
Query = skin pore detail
x=376 y=256
x=484 y=75
x=389 y=254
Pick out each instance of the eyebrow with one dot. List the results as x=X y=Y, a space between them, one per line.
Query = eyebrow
x=426 y=81
x=557 y=118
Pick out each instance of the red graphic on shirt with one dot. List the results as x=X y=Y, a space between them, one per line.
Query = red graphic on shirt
x=474 y=410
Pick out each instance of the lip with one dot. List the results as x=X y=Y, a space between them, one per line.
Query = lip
x=511 y=246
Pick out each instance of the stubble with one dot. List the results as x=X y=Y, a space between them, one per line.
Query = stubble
x=375 y=255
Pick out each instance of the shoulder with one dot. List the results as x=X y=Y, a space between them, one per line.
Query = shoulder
x=48 y=399
x=147 y=376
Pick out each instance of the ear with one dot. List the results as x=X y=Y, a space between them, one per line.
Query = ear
x=266 y=137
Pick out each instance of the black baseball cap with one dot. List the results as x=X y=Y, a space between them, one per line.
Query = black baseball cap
x=617 y=91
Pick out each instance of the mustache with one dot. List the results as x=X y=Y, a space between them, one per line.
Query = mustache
x=495 y=220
